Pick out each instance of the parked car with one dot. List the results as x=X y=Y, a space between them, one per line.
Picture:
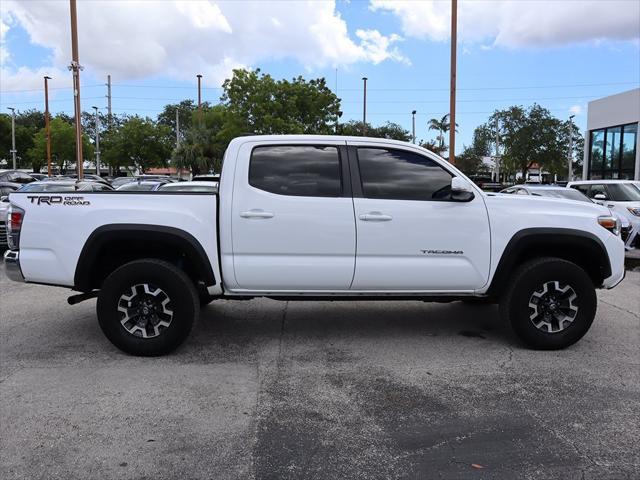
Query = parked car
x=38 y=176
x=621 y=196
x=61 y=186
x=89 y=178
x=142 y=186
x=284 y=226
x=15 y=176
x=627 y=232
x=5 y=189
x=206 y=178
x=202 y=187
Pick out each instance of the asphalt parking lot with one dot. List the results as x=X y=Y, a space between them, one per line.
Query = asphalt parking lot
x=267 y=389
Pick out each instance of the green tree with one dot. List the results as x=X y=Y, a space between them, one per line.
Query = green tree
x=63 y=146
x=442 y=126
x=387 y=130
x=531 y=136
x=27 y=124
x=138 y=142
x=185 y=110
x=204 y=143
x=259 y=104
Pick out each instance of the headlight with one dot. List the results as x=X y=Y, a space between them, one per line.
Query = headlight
x=634 y=210
x=611 y=223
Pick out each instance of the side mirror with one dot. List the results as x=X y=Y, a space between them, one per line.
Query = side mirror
x=599 y=196
x=4 y=198
x=461 y=191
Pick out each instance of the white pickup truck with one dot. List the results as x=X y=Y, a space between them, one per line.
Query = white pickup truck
x=318 y=217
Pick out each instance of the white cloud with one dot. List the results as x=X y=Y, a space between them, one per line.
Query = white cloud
x=130 y=39
x=522 y=23
x=575 y=109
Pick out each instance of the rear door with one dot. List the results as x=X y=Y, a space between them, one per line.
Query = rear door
x=293 y=226
x=411 y=235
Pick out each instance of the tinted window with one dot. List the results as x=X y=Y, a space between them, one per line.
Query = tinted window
x=296 y=170
x=402 y=175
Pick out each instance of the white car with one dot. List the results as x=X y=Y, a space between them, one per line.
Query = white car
x=201 y=186
x=301 y=217
x=555 y=191
x=621 y=196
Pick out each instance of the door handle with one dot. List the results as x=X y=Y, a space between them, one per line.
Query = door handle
x=256 y=214
x=375 y=217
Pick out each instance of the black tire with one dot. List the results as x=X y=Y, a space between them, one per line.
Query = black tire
x=542 y=311
x=165 y=331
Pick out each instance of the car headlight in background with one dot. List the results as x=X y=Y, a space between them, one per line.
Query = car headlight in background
x=634 y=210
x=611 y=223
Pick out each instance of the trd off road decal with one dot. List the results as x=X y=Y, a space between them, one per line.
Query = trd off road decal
x=58 y=200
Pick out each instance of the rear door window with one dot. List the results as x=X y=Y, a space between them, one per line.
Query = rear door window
x=299 y=170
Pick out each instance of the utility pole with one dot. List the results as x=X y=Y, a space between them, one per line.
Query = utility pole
x=452 y=100
x=199 y=92
x=497 y=149
x=177 y=128
x=97 y=127
x=570 y=159
x=413 y=125
x=47 y=126
x=13 y=135
x=109 y=101
x=75 y=69
x=364 y=107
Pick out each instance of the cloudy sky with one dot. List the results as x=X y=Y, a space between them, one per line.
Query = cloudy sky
x=558 y=53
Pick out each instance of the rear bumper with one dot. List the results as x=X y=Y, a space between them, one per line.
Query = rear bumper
x=12 y=266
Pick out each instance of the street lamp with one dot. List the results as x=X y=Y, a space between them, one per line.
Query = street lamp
x=47 y=126
x=13 y=135
x=413 y=126
x=364 y=107
x=570 y=157
x=97 y=131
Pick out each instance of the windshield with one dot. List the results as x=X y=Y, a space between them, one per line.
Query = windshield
x=137 y=187
x=47 y=187
x=623 y=192
x=568 y=193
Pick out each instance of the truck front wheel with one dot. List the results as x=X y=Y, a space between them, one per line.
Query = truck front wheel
x=550 y=303
x=147 y=307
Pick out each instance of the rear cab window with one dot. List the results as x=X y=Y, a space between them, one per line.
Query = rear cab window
x=297 y=170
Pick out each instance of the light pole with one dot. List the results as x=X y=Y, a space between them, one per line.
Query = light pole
x=364 y=107
x=13 y=135
x=413 y=125
x=570 y=158
x=47 y=126
x=199 y=91
x=97 y=127
x=177 y=128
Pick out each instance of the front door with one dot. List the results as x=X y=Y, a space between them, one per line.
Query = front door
x=292 y=218
x=411 y=236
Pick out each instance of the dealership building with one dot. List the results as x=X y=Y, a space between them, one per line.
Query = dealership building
x=612 y=142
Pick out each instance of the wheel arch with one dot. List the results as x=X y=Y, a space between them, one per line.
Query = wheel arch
x=113 y=245
x=580 y=247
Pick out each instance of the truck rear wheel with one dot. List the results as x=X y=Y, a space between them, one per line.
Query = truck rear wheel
x=147 y=307
x=550 y=303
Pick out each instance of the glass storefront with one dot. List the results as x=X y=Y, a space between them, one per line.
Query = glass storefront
x=612 y=153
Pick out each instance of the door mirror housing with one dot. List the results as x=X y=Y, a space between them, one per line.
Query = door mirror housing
x=461 y=191
x=600 y=196
x=4 y=198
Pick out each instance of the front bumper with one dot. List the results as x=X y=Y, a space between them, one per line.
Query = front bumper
x=12 y=266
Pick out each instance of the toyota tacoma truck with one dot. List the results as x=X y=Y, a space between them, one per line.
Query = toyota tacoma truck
x=300 y=217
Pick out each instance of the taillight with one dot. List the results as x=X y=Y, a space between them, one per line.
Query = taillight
x=14 y=225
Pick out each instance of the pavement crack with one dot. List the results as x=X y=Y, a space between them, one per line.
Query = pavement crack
x=620 y=308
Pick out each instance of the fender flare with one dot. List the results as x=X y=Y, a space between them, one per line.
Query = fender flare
x=108 y=233
x=578 y=240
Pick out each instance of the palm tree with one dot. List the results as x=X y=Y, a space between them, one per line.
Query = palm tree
x=442 y=125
